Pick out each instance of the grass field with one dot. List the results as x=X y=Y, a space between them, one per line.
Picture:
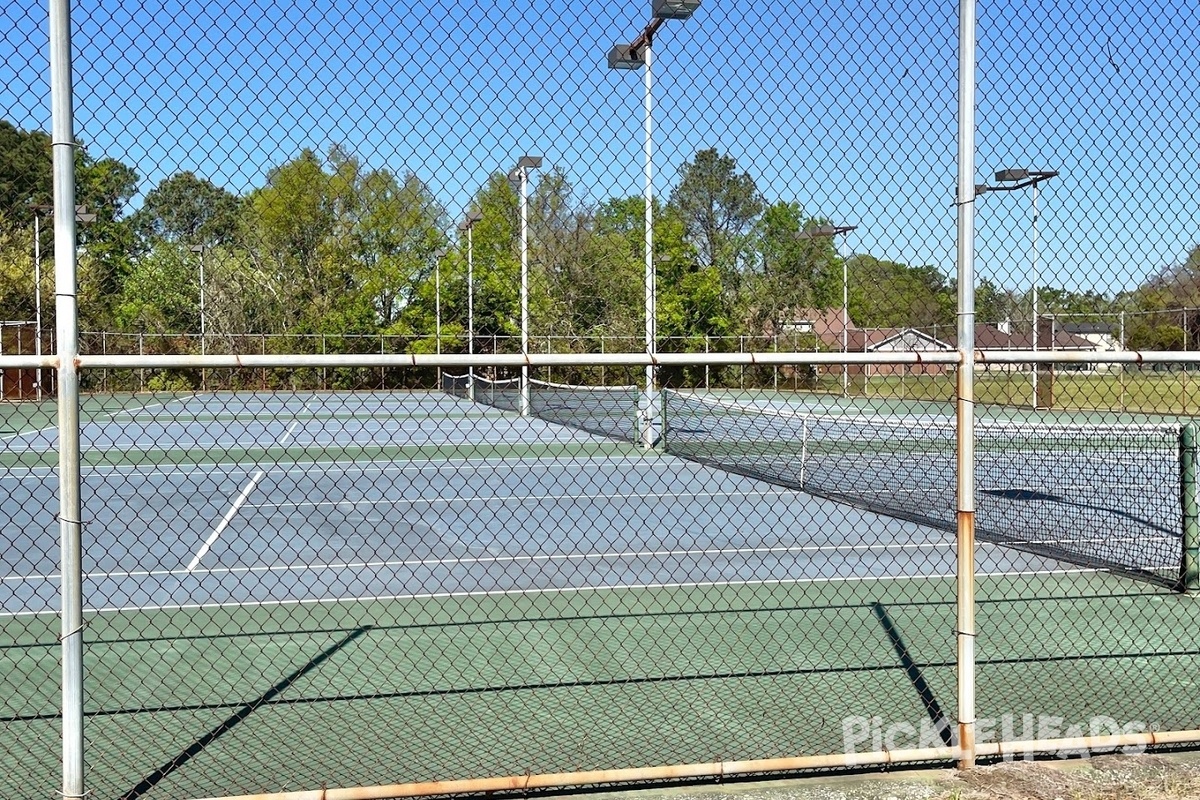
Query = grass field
x=1132 y=391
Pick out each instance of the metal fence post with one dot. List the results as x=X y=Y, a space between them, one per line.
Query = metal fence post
x=67 y=322
x=1189 y=578
x=965 y=540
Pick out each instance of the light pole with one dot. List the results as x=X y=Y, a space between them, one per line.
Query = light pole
x=438 y=255
x=520 y=176
x=1021 y=178
x=632 y=56
x=198 y=249
x=827 y=230
x=81 y=216
x=468 y=224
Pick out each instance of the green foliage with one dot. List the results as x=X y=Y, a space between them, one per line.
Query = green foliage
x=25 y=173
x=288 y=220
x=188 y=210
x=1143 y=335
x=718 y=207
x=342 y=252
x=16 y=273
x=161 y=293
x=890 y=294
x=169 y=382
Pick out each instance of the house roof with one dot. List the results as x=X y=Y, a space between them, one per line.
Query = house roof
x=989 y=337
x=826 y=322
x=1088 y=327
x=827 y=327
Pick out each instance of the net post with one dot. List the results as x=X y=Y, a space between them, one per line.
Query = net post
x=803 y=449
x=1189 y=575
x=662 y=410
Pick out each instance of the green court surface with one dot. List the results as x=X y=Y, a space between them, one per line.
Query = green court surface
x=227 y=700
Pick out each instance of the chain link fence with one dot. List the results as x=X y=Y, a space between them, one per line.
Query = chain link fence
x=494 y=397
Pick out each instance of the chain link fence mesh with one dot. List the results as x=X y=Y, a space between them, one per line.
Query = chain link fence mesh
x=300 y=576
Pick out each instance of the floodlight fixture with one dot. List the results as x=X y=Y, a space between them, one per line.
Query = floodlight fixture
x=673 y=9
x=529 y=162
x=469 y=220
x=825 y=230
x=1019 y=177
x=623 y=56
x=81 y=212
x=633 y=56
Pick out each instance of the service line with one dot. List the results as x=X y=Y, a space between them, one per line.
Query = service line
x=233 y=509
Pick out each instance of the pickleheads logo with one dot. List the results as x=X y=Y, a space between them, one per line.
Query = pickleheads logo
x=873 y=734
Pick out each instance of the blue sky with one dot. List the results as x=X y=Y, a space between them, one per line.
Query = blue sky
x=847 y=107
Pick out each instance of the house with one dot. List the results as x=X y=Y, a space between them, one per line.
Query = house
x=1051 y=336
x=827 y=326
x=833 y=330
x=1100 y=334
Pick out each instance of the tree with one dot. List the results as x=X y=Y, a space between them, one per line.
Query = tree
x=16 y=273
x=496 y=276
x=189 y=210
x=25 y=173
x=286 y=223
x=994 y=305
x=161 y=294
x=798 y=271
x=718 y=208
x=399 y=226
x=891 y=294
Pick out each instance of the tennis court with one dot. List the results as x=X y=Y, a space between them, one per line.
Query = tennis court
x=332 y=589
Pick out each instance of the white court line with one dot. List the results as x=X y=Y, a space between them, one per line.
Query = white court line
x=225 y=520
x=525 y=497
x=494 y=463
x=54 y=427
x=233 y=509
x=552 y=590
x=529 y=558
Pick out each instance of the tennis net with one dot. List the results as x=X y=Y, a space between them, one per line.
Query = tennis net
x=610 y=411
x=1105 y=496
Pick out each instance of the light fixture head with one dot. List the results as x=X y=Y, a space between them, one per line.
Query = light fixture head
x=529 y=162
x=622 y=56
x=825 y=229
x=673 y=9
x=1022 y=174
x=1012 y=175
x=469 y=220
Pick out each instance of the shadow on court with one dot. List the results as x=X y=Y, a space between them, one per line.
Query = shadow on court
x=154 y=778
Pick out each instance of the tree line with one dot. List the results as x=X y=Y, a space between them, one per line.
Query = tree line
x=329 y=246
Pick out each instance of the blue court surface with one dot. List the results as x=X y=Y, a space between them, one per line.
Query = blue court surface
x=389 y=587
x=288 y=499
